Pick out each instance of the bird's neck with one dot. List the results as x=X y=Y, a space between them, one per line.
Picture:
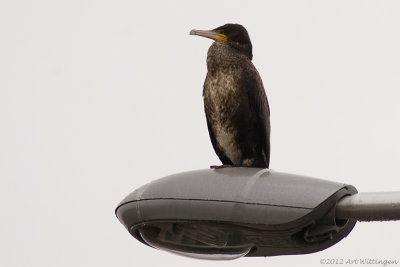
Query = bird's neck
x=221 y=55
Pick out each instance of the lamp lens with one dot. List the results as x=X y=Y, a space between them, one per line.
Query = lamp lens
x=196 y=240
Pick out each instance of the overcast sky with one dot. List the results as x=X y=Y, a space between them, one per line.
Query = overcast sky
x=98 y=98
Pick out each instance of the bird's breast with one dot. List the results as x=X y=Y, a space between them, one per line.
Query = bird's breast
x=221 y=95
x=221 y=102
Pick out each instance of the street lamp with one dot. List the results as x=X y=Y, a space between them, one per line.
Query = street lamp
x=233 y=212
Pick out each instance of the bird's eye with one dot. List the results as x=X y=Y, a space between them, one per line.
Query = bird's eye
x=221 y=32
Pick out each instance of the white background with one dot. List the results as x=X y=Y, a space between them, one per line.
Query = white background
x=100 y=97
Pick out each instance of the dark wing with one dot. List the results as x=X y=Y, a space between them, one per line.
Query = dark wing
x=259 y=102
x=221 y=155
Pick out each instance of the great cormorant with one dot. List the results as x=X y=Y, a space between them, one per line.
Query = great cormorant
x=235 y=102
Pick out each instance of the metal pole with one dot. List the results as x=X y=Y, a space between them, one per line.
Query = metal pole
x=379 y=206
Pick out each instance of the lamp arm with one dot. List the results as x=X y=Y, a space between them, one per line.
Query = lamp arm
x=372 y=206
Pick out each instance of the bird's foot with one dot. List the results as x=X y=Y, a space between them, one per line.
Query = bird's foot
x=221 y=166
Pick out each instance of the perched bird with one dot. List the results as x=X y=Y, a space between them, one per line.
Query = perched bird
x=235 y=102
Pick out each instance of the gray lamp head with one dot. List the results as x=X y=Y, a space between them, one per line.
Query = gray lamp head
x=233 y=212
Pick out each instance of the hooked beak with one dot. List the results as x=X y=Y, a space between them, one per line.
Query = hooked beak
x=213 y=34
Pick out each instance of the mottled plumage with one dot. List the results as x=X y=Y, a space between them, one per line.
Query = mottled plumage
x=235 y=102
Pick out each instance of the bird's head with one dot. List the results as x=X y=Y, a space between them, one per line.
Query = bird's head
x=235 y=35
